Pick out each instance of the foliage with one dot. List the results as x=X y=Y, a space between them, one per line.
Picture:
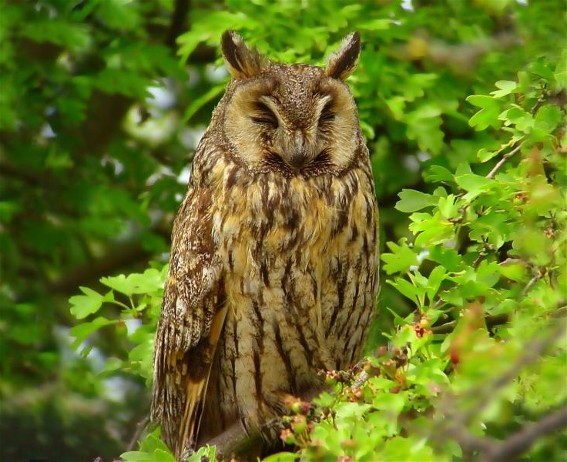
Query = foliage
x=98 y=120
x=136 y=321
x=152 y=449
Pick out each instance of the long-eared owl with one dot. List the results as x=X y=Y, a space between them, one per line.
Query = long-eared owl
x=273 y=270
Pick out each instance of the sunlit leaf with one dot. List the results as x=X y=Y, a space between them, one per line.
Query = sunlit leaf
x=411 y=200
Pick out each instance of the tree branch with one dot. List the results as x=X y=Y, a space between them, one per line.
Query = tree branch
x=178 y=22
x=140 y=427
x=453 y=424
x=523 y=439
x=122 y=256
x=491 y=321
x=502 y=161
x=236 y=441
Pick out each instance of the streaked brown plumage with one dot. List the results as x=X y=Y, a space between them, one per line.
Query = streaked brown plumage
x=273 y=269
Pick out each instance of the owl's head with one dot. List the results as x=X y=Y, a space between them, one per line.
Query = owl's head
x=296 y=119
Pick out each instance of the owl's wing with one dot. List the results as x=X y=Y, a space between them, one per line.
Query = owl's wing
x=190 y=325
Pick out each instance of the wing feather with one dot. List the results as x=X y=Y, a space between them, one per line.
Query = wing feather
x=190 y=325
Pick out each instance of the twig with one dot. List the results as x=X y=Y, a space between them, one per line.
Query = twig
x=523 y=439
x=491 y=450
x=530 y=283
x=140 y=427
x=234 y=441
x=491 y=321
x=361 y=380
x=502 y=161
x=469 y=443
x=454 y=425
x=533 y=352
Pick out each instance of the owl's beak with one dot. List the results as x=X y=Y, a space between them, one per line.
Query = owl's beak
x=298 y=156
x=297 y=159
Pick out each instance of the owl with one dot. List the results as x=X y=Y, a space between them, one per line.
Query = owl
x=273 y=271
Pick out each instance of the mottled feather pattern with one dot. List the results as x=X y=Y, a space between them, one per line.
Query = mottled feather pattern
x=274 y=264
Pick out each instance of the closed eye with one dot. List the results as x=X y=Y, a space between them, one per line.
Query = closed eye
x=327 y=114
x=263 y=115
x=323 y=158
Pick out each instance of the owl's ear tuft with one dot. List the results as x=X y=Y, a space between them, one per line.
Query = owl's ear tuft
x=343 y=61
x=241 y=61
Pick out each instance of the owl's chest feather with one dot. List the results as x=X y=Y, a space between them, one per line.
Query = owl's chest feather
x=299 y=274
x=269 y=217
x=281 y=239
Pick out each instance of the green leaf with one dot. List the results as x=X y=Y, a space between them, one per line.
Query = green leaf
x=514 y=270
x=488 y=115
x=484 y=155
x=350 y=411
x=209 y=29
x=123 y=82
x=436 y=277
x=153 y=449
x=401 y=259
x=506 y=87
x=437 y=174
x=397 y=105
x=84 y=305
x=141 y=358
x=57 y=31
x=561 y=70
x=540 y=67
x=424 y=126
x=137 y=456
x=7 y=210
x=406 y=289
x=119 y=283
x=148 y=282
x=430 y=230
x=449 y=207
x=391 y=403
x=119 y=14
x=474 y=184
x=86 y=329
x=325 y=399
x=112 y=365
x=161 y=455
x=548 y=117
x=281 y=457
x=517 y=116
x=411 y=200
x=375 y=24
x=153 y=442
x=447 y=257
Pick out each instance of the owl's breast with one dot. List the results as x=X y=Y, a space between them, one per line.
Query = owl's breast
x=267 y=226
x=300 y=279
x=283 y=213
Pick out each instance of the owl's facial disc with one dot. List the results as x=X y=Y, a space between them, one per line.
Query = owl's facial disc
x=305 y=124
x=300 y=142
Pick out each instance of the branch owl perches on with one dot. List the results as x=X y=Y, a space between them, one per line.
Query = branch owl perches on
x=274 y=264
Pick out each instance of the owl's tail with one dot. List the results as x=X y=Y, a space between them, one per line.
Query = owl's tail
x=195 y=389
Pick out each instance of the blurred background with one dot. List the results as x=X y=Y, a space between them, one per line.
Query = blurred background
x=102 y=103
